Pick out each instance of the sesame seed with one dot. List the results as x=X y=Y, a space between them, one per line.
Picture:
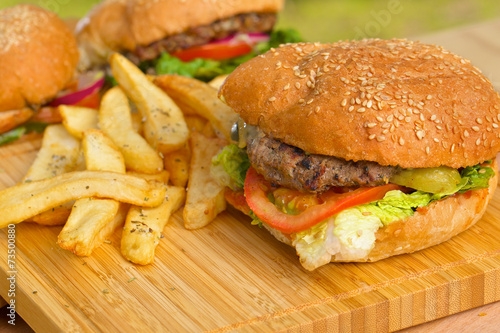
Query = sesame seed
x=475 y=128
x=420 y=135
x=427 y=150
x=371 y=137
x=310 y=101
x=272 y=99
x=287 y=86
x=466 y=133
x=316 y=110
x=361 y=110
x=479 y=120
x=401 y=141
x=297 y=85
x=380 y=138
x=351 y=108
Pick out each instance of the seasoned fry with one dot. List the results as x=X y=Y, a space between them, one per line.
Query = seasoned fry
x=115 y=120
x=101 y=154
x=205 y=196
x=55 y=216
x=136 y=122
x=89 y=216
x=143 y=227
x=208 y=131
x=87 y=219
x=195 y=123
x=162 y=177
x=57 y=155
x=202 y=98
x=22 y=201
x=216 y=82
x=166 y=130
x=177 y=164
x=77 y=119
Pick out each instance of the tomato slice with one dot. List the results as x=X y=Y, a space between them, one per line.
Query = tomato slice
x=47 y=115
x=214 y=51
x=329 y=203
x=237 y=200
x=91 y=101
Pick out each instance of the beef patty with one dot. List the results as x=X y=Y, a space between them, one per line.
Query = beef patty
x=244 y=23
x=293 y=168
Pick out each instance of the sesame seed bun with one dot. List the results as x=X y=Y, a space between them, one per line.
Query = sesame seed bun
x=38 y=56
x=394 y=102
x=122 y=25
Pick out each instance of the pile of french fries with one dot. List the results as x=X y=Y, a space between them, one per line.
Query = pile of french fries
x=143 y=155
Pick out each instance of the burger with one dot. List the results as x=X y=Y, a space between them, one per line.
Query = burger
x=38 y=59
x=195 y=38
x=360 y=150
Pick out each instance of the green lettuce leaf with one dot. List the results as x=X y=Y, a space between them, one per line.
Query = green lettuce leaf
x=206 y=70
x=201 y=69
x=18 y=132
x=230 y=166
x=476 y=177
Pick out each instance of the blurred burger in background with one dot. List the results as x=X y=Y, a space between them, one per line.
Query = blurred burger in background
x=198 y=38
x=38 y=59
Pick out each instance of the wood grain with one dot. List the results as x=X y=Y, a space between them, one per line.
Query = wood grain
x=231 y=275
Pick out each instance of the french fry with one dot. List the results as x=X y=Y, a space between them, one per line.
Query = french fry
x=58 y=154
x=89 y=216
x=143 y=227
x=13 y=118
x=24 y=200
x=162 y=177
x=205 y=196
x=208 y=131
x=202 y=98
x=166 y=130
x=77 y=119
x=217 y=82
x=101 y=154
x=195 y=123
x=115 y=120
x=177 y=164
x=136 y=122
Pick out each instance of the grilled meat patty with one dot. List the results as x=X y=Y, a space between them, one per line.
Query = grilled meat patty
x=293 y=168
x=244 y=23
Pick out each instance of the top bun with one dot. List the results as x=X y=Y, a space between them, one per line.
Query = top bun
x=394 y=102
x=122 y=25
x=38 y=56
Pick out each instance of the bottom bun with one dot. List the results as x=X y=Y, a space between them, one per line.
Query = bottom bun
x=434 y=224
x=429 y=226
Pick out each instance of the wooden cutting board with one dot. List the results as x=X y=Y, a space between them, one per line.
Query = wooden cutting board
x=231 y=275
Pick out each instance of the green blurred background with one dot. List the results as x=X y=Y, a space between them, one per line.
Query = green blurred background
x=331 y=20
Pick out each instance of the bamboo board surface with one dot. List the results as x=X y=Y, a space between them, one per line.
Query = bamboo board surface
x=231 y=275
